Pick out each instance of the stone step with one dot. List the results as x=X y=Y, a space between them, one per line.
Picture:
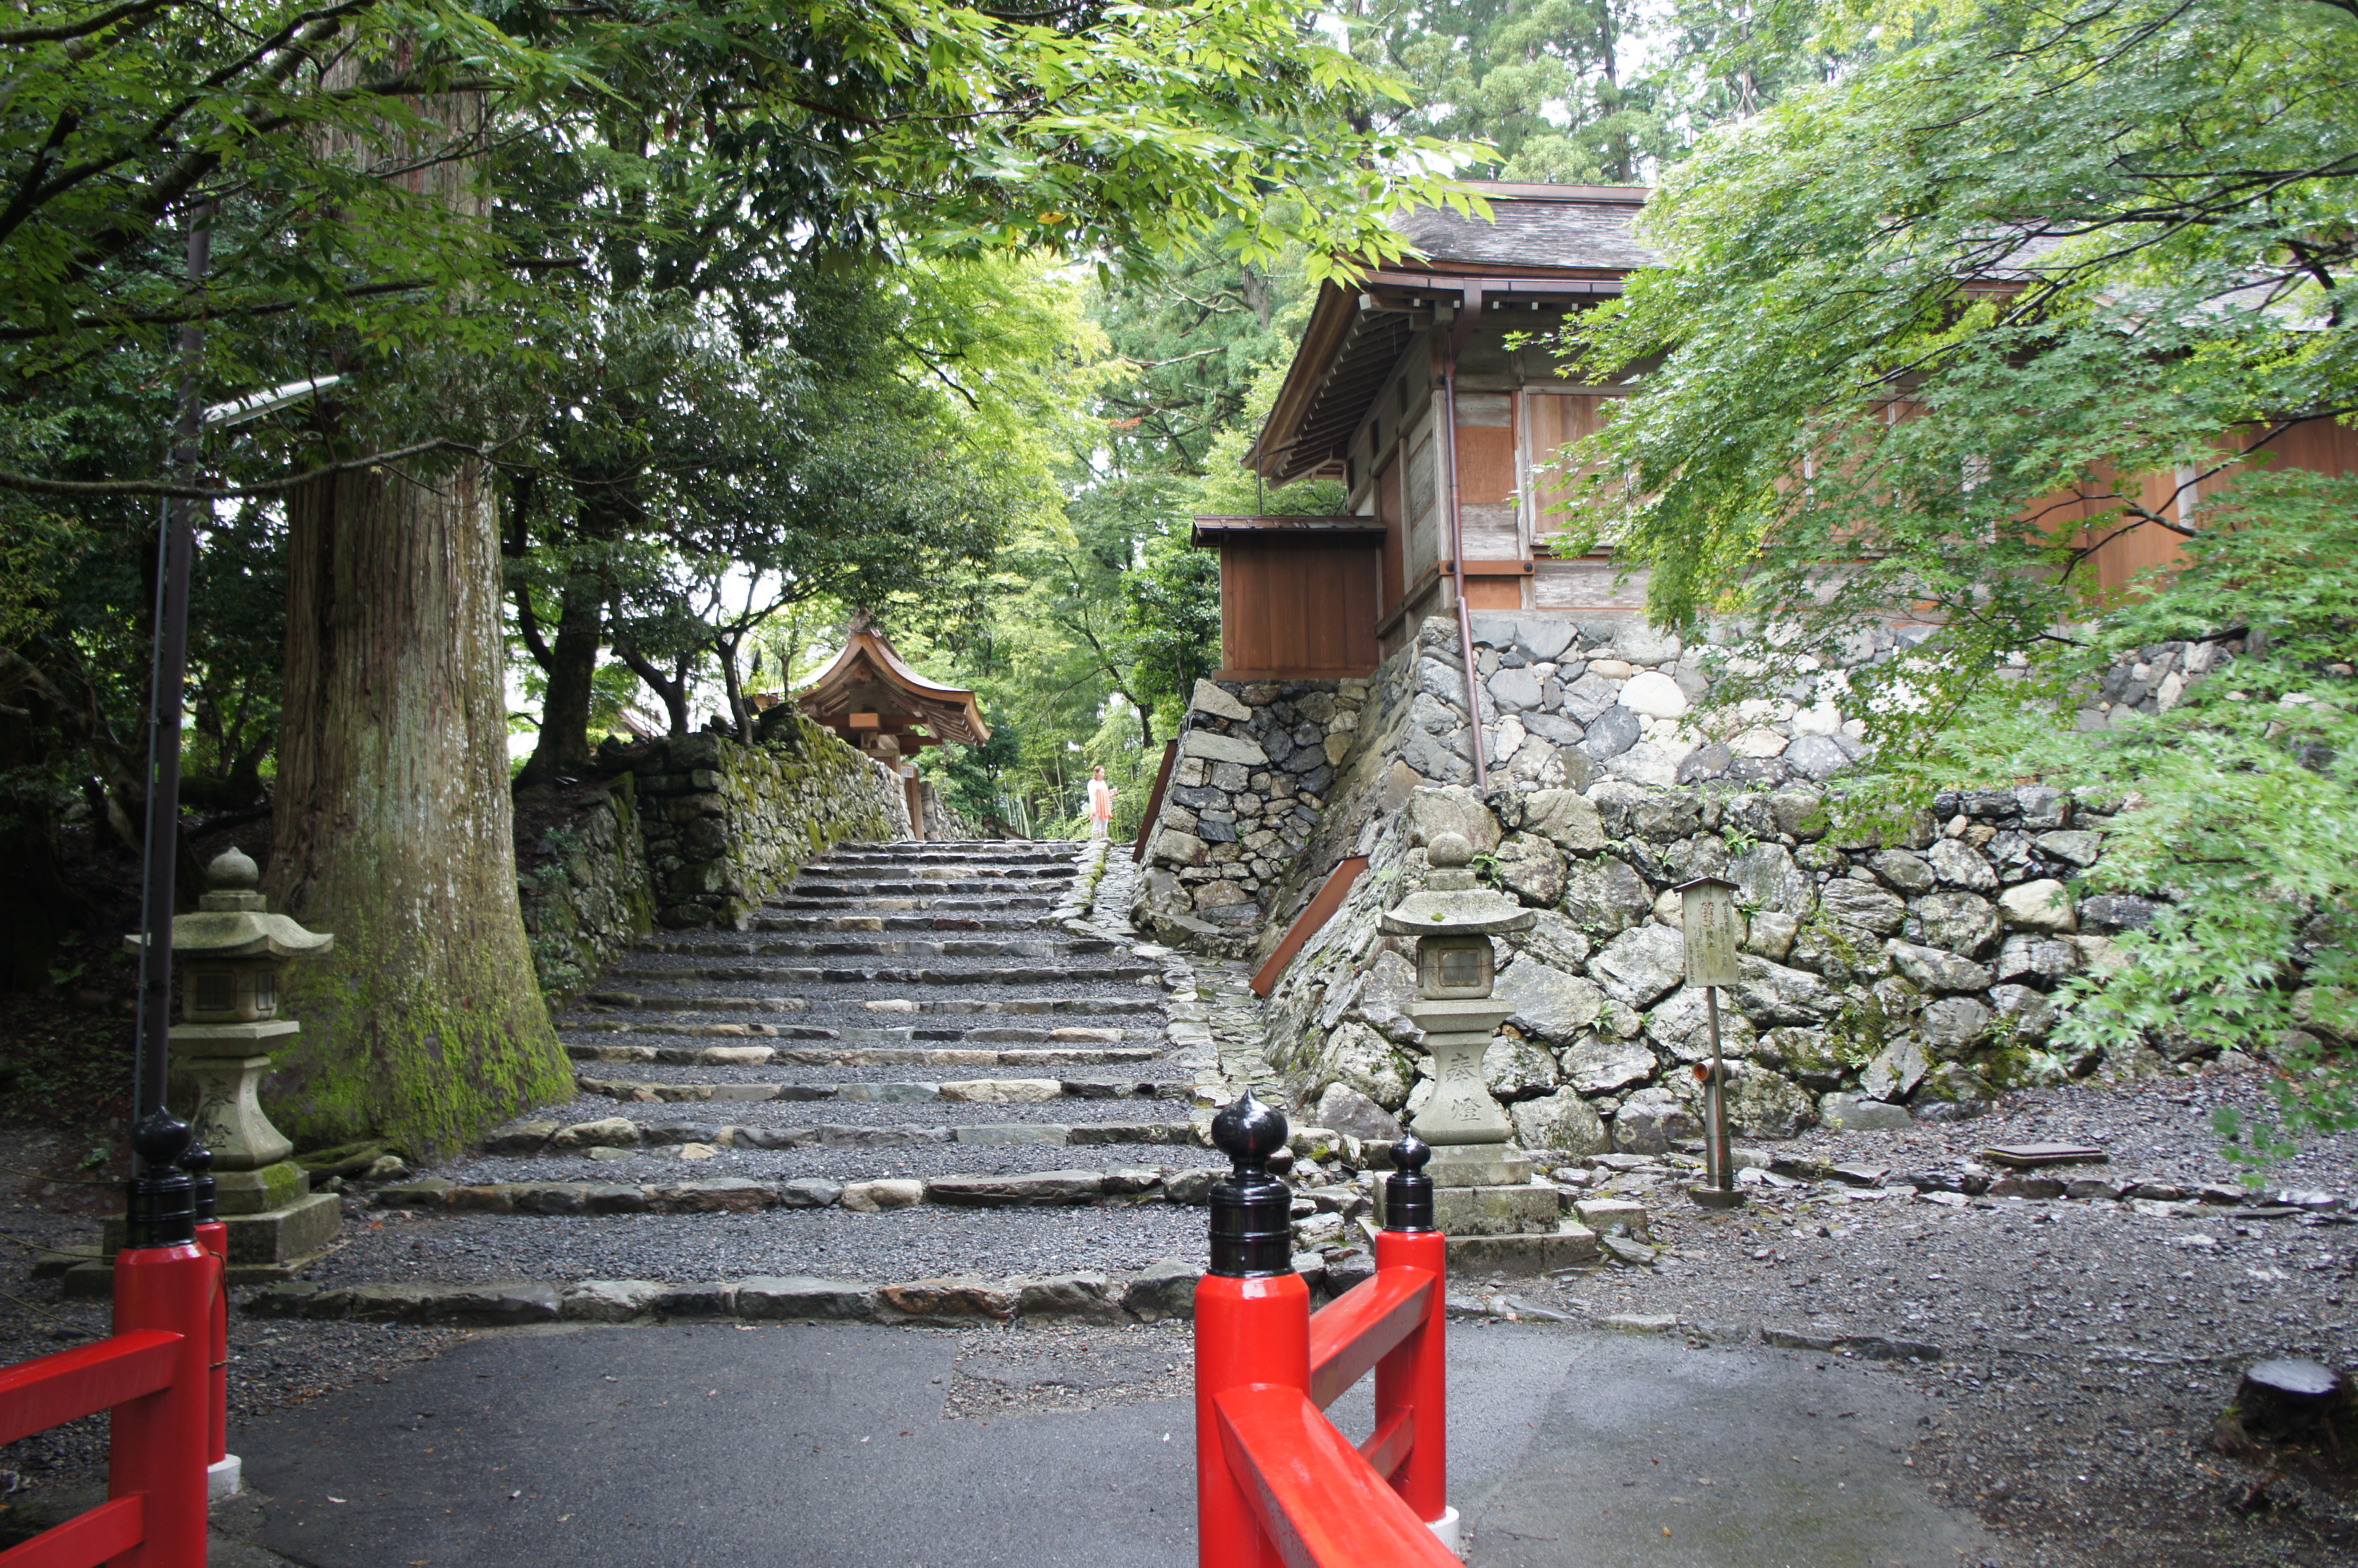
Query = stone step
x=871 y=919
x=889 y=885
x=680 y=1005
x=618 y=1135
x=955 y=865
x=971 y=1091
x=1063 y=853
x=743 y=1194
x=994 y=1034
x=879 y=975
x=1026 y=909
x=1163 y=1291
x=1063 y=849
x=883 y=947
x=865 y=1056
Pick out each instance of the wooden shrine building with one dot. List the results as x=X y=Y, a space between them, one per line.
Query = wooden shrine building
x=1415 y=388
x=874 y=701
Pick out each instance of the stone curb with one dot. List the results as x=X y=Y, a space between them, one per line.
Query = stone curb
x=986 y=1091
x=743 y=974
x=533 y=1138
x=636 y=1001
x=737 y=1195
x=1166 y=1290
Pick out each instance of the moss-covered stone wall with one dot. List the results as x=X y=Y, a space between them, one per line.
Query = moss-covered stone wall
x=696 y=830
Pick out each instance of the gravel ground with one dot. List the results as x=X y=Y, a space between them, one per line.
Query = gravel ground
x=907 y=1244
x=926 y=1160
x=273 y=1366
x=2089 y=1349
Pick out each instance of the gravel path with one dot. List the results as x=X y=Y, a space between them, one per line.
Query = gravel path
x=907 y=1244
x=2088 y=1347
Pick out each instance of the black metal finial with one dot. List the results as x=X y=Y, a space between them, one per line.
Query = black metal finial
x=1252 y=1229
x=1408 y=1191
x=202 y=1189
x=162 y=1210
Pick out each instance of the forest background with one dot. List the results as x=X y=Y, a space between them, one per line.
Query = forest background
x=708 y=327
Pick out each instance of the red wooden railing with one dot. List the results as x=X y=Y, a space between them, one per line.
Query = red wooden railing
x=156 y=1375
x=1275 y=1482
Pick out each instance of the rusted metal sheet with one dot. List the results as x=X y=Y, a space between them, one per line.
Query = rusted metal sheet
x=1315 y=913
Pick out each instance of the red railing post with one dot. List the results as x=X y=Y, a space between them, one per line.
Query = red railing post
x=1276 y=1486
x=161 y=1443
x=1252 y=1325
x=158 y=1449
x=221 y=1476
x=1413 y=1380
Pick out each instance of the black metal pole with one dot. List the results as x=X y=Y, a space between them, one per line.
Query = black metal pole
x=176 y=554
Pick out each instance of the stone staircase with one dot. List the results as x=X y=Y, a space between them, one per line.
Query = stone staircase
x=947 y=1059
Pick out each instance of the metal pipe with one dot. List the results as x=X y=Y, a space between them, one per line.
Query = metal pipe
x=175 y=554
x=1469 y=310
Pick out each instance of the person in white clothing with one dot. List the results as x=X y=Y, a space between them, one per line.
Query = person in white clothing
x=1100 y=803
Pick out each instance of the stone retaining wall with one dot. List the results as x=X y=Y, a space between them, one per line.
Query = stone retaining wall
x=1880 y=983
x=695 y=830
x=593 y=895
x=727 y=824
x=1256 y=764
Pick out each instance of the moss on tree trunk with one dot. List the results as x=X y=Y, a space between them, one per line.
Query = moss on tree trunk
x=426 y=1025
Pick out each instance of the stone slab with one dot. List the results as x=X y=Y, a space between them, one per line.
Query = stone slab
x=1514 y=1210
x=1478 y=1166
x=273 y=1239
x=2029 y=1156
x=1525 y=1256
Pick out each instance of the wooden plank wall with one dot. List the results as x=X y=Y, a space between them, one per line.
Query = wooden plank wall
x=1299 y=608
x=2321 y=445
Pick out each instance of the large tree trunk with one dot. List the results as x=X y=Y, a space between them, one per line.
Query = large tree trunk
x=392 y=825
x=393 y=830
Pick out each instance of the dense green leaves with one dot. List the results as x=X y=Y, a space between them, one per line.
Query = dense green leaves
x=1923 y=338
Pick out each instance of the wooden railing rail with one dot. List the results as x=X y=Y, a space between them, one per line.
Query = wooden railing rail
x=156 y=1375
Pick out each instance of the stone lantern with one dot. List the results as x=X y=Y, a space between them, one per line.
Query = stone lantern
x=231 y=951
x=1482 y=1181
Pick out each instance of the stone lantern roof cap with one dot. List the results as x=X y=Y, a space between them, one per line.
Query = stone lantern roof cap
x=1476 y=912
x=235 y=922
x=241 y=933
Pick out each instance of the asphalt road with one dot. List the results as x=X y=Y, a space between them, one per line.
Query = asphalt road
x=841 y=1446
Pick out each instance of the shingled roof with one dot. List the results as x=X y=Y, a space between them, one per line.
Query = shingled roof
x=1559 y=245
x=1583 y=227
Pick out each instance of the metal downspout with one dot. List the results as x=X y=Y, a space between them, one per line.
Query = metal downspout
x=1469 y=311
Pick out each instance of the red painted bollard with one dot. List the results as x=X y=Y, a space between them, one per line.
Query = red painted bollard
x=213 y=1237
x=163 y=1280
x=1252 y=1324
x=1414 y=1379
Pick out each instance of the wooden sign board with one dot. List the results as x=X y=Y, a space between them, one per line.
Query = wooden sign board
x=1707 y=911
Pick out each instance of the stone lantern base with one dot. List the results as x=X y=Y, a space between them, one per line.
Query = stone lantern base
x=271 y=1245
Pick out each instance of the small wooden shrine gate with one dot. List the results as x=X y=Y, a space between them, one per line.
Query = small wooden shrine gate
x=874 y=701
